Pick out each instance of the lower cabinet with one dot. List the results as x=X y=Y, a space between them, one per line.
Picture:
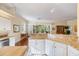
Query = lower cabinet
x=40 y=45
x=72 y=51
x=60 y=49
x=12 y=41
x=31 y=43
x=49 y=48
x=37 y=46
x=55 y=48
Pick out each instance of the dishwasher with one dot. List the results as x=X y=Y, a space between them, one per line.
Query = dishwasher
x=4 y=43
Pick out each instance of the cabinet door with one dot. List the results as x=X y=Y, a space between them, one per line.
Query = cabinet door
x=72 y=51
x=40 y=45
x=31 y=43
x=49 y=48
x=12 y=41
x=60 y=49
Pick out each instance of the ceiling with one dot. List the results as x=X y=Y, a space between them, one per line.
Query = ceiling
x=48 y=11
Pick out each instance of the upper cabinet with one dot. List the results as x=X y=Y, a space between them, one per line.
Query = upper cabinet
x=8 y=12
x=5 y=25
x=9 y=8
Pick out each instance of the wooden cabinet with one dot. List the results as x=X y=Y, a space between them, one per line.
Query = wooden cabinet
x=23 y=40
x=60 y=29
x=49 y=48
x=72 y=51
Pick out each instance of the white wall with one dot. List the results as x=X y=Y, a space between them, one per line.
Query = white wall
x=23 y=24
x=52 y=23
x=78 y=19
x=73 y=26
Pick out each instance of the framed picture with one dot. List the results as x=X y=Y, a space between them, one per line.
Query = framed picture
x=16 y=28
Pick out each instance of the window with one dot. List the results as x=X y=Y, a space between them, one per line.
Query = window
x=41 y=28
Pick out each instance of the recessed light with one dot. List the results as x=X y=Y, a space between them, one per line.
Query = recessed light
x=39 y=18
x=52 y=10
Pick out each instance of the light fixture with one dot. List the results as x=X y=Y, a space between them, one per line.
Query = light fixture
x=52 y=10
x=39 y=18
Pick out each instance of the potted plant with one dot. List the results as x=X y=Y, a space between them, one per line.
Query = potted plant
x=67 y=30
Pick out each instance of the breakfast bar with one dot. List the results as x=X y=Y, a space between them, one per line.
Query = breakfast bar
x=61 y=45
x=13 y=51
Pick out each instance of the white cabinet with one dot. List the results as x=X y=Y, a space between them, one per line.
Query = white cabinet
x=49 y=47
x=5 y=25
x=55 y=48
x=40 y=45
x=72 y=51
x=60 y=49
x=17 y=37
x=37 y=46
x=12 y=41
x=31 y=43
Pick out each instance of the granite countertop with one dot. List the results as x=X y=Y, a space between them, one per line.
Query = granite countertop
x=8 y=36
x=71 y=40
x=73 y=43
x=13 y=51
x=68 y=40
x=39 y=36
x=4 y=38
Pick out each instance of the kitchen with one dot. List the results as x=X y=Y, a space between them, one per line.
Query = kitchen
x=39 y=36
